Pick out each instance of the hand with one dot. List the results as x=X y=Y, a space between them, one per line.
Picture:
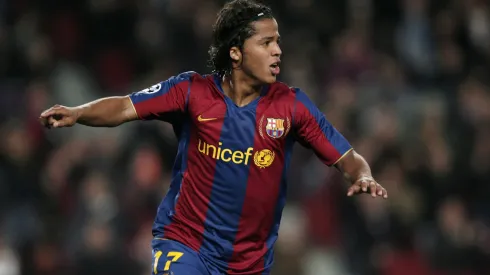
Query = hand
x=59 y=116
x=367 y=185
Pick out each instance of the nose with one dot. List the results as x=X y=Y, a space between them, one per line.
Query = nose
x=276 y=51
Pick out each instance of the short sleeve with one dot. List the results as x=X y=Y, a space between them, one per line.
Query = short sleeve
x=164 y=99
x=315 y=131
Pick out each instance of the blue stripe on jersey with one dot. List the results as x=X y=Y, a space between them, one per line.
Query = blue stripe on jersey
x=184 y=141
x=160 y=88
x=180 y=167
x=281 y=201
x=170 y=200
x=328 y=130
x=226 y=200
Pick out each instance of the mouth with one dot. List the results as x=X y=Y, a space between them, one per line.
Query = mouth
x=275 y=69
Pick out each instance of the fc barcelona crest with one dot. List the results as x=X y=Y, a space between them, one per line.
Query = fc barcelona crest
x=275 y=127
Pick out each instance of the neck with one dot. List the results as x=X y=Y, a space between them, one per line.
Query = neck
x=242 y=90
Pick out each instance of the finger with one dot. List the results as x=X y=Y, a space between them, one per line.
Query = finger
x=353 y=190
x=379 y=190
x=385 y=193
x=364 y=185
x=372 y=188
x=55 y=110
x=64 y=122
x=45 y=113
x=51 y=120
x=44 y=122
x=50 y=112
x=58 y=124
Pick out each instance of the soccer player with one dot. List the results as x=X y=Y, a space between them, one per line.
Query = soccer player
x=236 y=129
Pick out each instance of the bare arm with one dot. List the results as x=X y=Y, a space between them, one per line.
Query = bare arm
x=354 y=166
x=104 y=112
x=357 y=171
x=107 y=112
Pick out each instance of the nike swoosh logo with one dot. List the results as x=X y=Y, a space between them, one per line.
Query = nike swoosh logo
x=201 y=119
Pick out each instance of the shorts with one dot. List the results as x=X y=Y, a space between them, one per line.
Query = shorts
x=173 y=258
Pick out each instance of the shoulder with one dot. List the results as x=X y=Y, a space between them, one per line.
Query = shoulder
x=202 y=88
x=281 y=90
x=186 y=76
x=191 y=76
x=191 y=79
x=196 y=78
x=301 y=96
x=298 y=99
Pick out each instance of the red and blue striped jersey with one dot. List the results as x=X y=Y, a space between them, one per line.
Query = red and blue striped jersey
x=228 y=185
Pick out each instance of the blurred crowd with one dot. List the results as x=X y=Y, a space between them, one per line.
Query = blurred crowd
x=406 y=81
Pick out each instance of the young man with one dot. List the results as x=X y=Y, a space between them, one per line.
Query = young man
x=236 y=129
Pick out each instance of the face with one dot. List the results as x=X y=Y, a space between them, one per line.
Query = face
x=260 y=57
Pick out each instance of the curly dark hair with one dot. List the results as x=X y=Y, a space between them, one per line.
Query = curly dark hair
x=231 y=29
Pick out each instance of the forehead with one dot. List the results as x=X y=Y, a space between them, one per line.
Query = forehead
x=266 y=28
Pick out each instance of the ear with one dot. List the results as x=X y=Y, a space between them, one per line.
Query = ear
x=235 y=54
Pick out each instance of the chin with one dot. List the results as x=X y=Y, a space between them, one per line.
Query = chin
x=264 y=79
x=270 y=79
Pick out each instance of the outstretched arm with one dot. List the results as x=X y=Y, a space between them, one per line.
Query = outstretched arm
x=160 y=101
x=316 y=132
x=104 y=112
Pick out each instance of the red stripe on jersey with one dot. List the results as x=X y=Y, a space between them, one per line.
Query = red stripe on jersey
x=320 y=143
x=187 y=224
x=162 y=105
x=263 y=189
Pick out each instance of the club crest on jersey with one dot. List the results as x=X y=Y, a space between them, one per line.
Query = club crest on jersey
x=275 y=127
